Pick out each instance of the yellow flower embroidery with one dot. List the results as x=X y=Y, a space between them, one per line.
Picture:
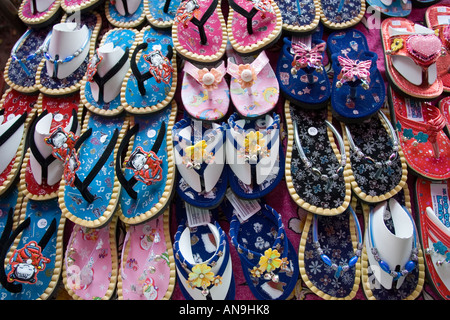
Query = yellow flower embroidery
x=253 y=142
x=201 y=276
x=256 y=273
x=197 y=152
x=397 y=44
x=270 y=260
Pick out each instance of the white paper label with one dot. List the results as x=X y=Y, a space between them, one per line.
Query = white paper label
x=244 y=209
x=197 y=216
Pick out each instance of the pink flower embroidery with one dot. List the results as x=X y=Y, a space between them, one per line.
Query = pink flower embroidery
x=247 y=76
x=210 y=78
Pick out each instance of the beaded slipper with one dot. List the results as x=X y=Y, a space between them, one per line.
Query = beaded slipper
x=161 y=14
x=254 y=88
x=17 y=112
x=26 y=55
x=58 y=123
x=147 y=268
x=255 y=156
x=200 y=159
x=151 y=82
x=378 y=165
x=432 y=205
x=411 y=52
x=358 y=90
x=253 y=25
x=436 y=18
x=38 y=14
x=125 y=13
x=342 y=14
x=202 y=257
x=317 y=171
x=199 y=32
x=392 y=264
x=391 y=8
x=329 y=254
x=71 y=6
x=101 y=86
x=67 y=51
x=91 y=262
x=299 y=17
x=205 y=92
x=268 y=259
x=300 y=71
x=89 y=193
x=33 y=252
x=147 y=175
x=425 y=145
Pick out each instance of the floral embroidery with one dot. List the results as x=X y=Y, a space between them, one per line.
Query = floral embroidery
x=268 y=263
x=202 y=277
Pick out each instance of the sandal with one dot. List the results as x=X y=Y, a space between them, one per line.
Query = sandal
x=125 y=13
x=89 y=193
x=91 y=263
x=58 y=123
x=299 y=18
x=67 y=51
x=425 y=145
x=17 y=112
x=205 y=92
x=253 y=25
x=392 y=265
x=151 y=82
x=432 y=209
x=358 y=90
x=161 y=14
x=200 y=159
x=329 y=254
x=148 y=176
x=391 y=8
x=410 y=68
x=317 y=170
x=101 y=86
x=341 y=15
x=199 y=32
x=378 y=165
x=33 y=251
x=444 y=107
x=82 y=6
x=38 y=14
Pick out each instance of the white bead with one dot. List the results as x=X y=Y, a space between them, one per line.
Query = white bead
x=247 y=75
x=208 y=79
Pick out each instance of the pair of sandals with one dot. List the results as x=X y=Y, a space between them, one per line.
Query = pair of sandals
x=200 y=33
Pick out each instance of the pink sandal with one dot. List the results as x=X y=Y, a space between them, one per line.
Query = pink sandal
x=205 y=93
x=444 y=106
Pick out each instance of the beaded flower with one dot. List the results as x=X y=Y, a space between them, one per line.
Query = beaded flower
x=247 y=76
x=201 y=276
x=210 y=78
x=397 y=44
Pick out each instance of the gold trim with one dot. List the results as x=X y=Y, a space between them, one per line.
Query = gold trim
x=33 y=22
x=153 y=21
x=78 y=7
x=159 y=105
x=304 y=29
x=344 y=25
x=87 y=104
x=119 y=24
x=288 y=177
x=168 y=189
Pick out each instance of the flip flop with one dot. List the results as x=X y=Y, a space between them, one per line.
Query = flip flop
x=200 y=159
x=101 y=86
x=268 y=259
x=91 y=264
x=125 y=13
x=67 y=52
x=34 y=252
x=300 y=71
x=204 y=91
x=9 y=210
x=17 y=112
x=38 y=14
x=148 y=174
x=316 y=171
x=42 y=167
x=392 y=263
x=151 y=82
x=299 y=17
x=255 y=156
x=26 y=55
x=199 y=32
x=82 y=6
x=391 y=8
x=411 y=52
x=161 y=14
x=253 y=25
x=147 y=268
x=437 y=19
x=378 y=165
x=341 y=15
x=202 y=257
x=425 y=145
x=358 y=89
x=432 y=215
x=89 y=193
x=254 y=88
x=444 y=106
x=329 y=254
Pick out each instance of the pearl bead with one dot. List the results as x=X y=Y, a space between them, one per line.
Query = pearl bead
x=247 y=75
x=208 y=79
